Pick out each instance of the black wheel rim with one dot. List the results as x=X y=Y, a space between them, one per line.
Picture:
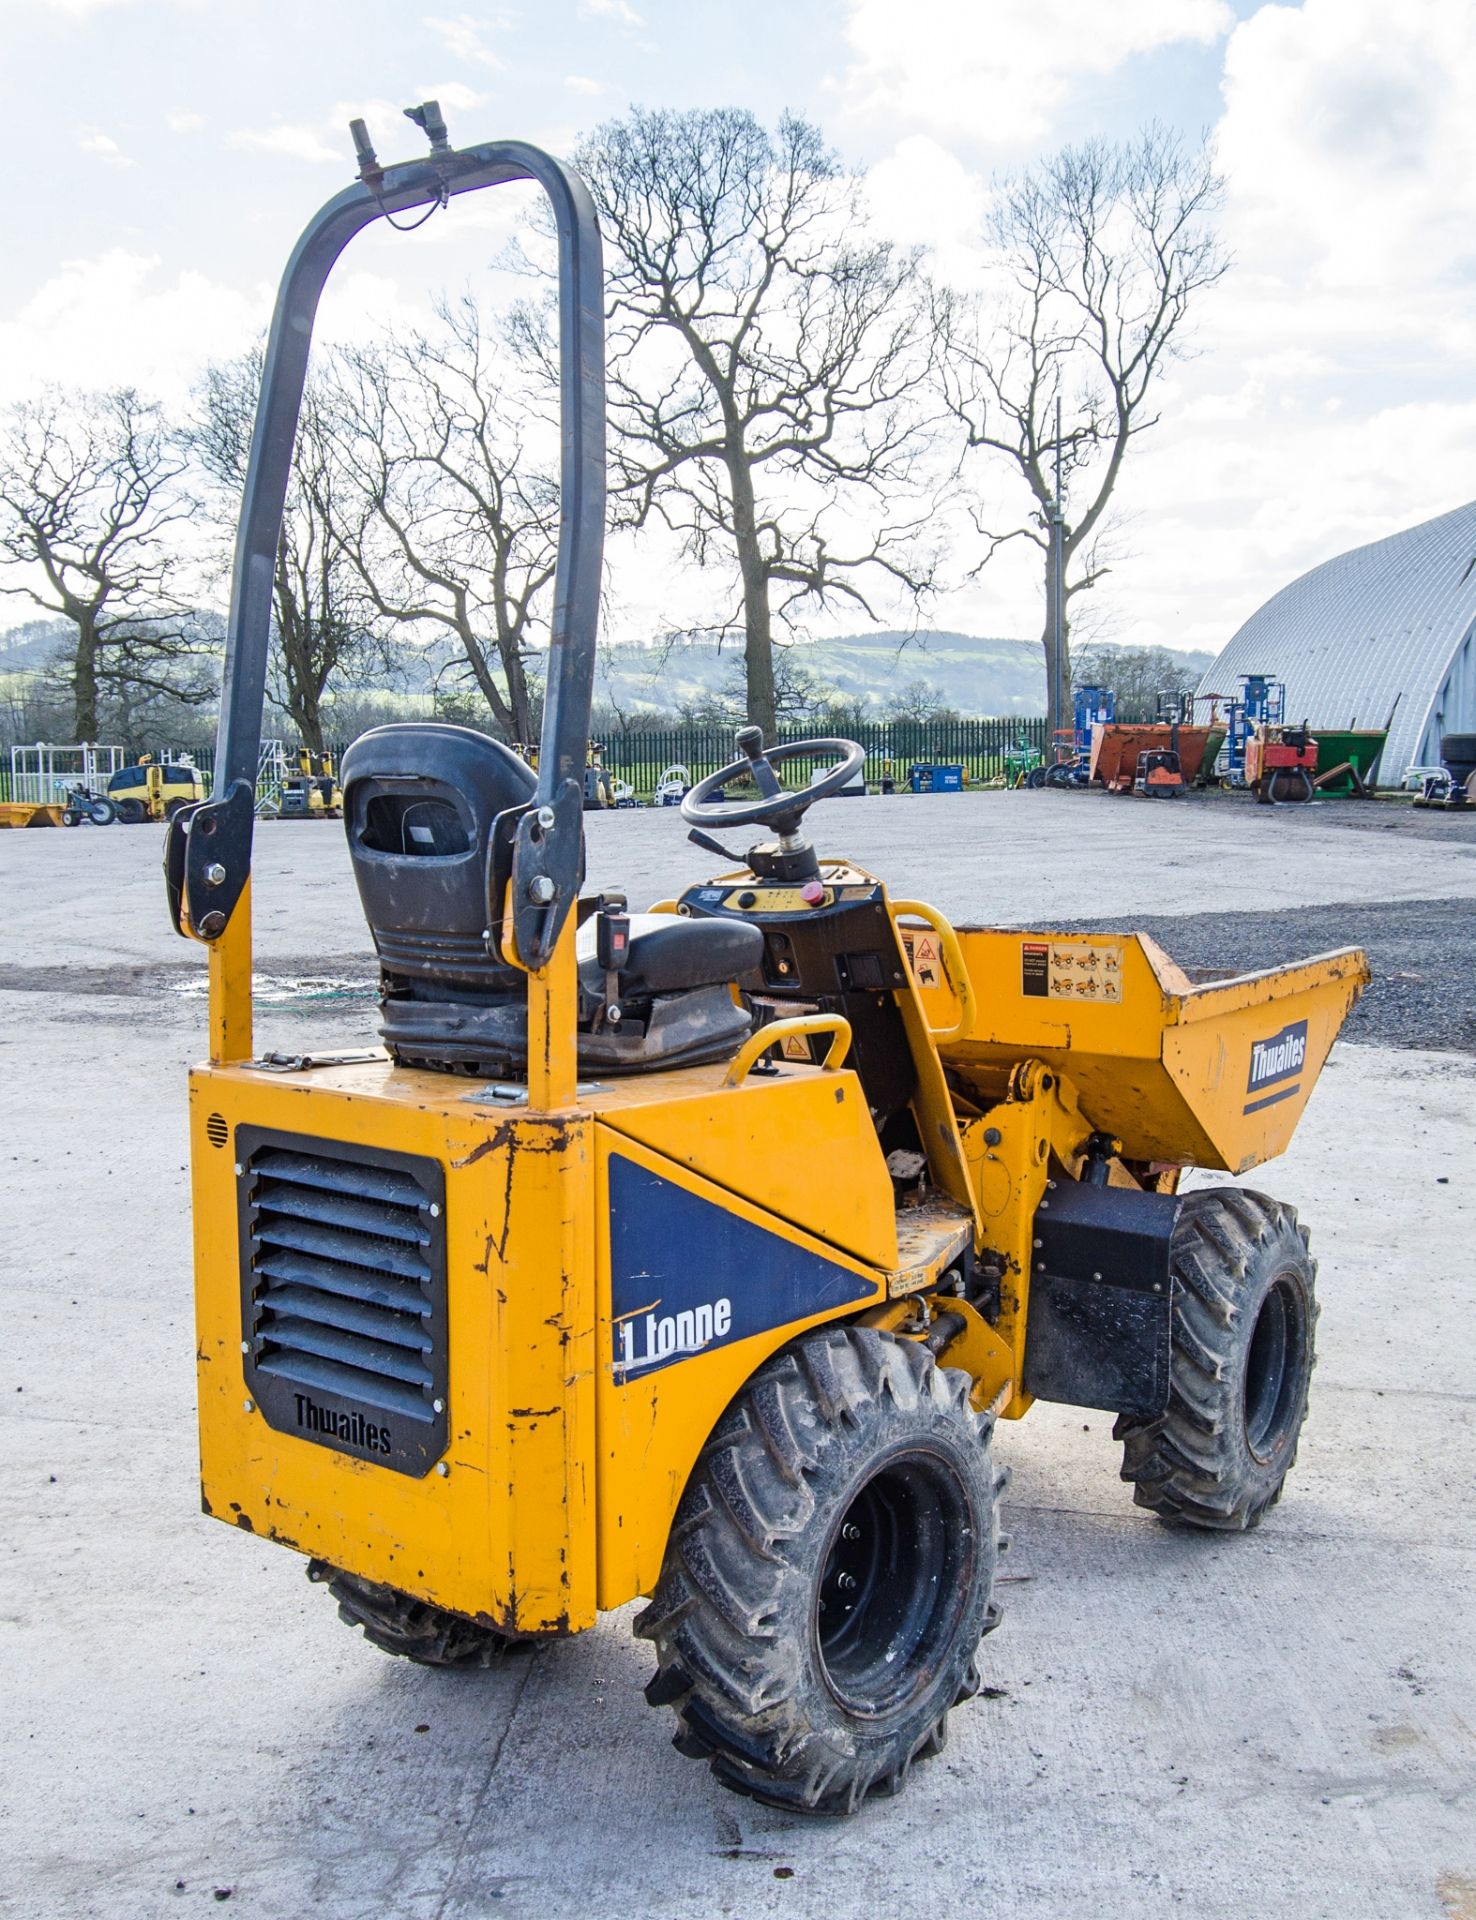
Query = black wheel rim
x=894 y=1584
x=1273 y=1370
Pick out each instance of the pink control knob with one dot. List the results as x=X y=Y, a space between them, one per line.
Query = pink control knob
x=812 y=893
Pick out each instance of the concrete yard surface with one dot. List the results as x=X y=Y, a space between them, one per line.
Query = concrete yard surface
x=1280 y=1724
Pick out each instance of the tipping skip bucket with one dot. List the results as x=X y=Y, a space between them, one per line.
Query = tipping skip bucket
x=1115 y=751
x=1208 y=1072
x=30 y=813
x=1347 y=746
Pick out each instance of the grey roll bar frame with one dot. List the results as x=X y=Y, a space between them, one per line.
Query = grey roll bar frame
x=208 y=853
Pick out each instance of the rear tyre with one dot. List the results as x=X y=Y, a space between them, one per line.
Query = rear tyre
x=412 y=1629
x=1035 y=779
x=102 y=813
x=1244 y=1316
x=829 y=1574
x=132 y=812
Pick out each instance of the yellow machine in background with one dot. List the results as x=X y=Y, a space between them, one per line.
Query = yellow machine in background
x=694 y=1254
x=155 y=789
x=312 y=793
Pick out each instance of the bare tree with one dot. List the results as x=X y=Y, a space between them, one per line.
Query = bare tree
x=323 y=627
x=1099 y=254
x=919 y=701
x=766 y=367
x=90 y=500
x=458 y=523
x=1138 y=675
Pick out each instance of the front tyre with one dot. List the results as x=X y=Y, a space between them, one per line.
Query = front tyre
x=829 y=1573
x=1244 y=1315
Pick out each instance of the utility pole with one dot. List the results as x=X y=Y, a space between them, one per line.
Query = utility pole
x=1058 y=593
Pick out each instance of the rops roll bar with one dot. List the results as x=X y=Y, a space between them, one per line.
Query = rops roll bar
x=536 y=854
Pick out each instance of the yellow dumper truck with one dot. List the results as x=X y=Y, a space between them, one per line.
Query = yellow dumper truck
x=693 y=1254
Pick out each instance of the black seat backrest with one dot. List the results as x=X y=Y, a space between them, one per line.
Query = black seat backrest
x=419 y=799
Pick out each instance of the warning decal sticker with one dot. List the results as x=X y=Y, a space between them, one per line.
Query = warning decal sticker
x=925 y=960
x=922 y=956
x=1071 y=970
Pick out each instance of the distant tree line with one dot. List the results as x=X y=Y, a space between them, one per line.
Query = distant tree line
x=793 y=397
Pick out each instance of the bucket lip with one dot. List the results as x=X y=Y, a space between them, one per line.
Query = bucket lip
x=1336 y=968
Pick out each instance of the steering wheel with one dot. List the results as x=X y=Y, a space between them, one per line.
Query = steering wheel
x=774 y=807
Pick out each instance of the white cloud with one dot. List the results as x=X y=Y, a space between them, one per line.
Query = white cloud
x=184 y=121
x=454 y=96
x=298 y=143
x=1330 y=401
x=105 y=147
x=464 y=38
x=581 y=83
x=156 y=335
x=996 y=74
x=923 y=195
x=616 y=10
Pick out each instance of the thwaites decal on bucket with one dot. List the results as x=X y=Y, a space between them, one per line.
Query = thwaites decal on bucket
x=1276 y=1067
x=686 y=1276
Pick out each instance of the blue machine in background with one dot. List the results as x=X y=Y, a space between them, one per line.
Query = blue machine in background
x=1262 y=702
x=936 y=777
x=1090 y=707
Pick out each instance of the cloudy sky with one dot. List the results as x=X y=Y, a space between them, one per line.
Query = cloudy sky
x=165 y=153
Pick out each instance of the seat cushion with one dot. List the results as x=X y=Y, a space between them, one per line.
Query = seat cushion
x=669 y=954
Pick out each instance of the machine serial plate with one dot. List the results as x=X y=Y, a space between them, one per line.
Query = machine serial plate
x=1071 y=970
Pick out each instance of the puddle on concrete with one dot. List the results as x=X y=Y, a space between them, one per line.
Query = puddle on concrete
x=289 y=990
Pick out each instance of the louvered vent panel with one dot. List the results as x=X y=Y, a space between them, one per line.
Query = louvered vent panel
x=344 y=1282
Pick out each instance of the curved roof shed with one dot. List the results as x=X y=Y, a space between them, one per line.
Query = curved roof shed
x=1395 y=620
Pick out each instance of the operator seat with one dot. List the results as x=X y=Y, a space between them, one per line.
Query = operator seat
x=419 y=802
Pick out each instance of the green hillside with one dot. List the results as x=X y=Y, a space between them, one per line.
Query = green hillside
x=970 y=674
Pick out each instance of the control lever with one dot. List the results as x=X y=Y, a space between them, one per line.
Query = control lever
x=709 y=845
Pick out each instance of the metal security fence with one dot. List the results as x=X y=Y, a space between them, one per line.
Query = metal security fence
x=893 y=747
x=980 y=747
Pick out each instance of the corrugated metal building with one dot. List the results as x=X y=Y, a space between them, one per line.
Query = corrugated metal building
x=1393 y=620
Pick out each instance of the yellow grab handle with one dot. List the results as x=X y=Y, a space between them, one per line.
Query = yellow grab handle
x=801 y=1026
x=953 y=966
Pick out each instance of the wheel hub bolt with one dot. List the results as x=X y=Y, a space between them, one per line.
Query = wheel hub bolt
x=846 y=1582
x=850 y=1531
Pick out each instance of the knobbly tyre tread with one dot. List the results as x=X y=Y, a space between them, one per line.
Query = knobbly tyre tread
x=412 y=1629
x=730 y=1615
x=1189 y=1465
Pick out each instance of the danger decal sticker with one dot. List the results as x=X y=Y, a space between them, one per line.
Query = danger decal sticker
x=1089 y=970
